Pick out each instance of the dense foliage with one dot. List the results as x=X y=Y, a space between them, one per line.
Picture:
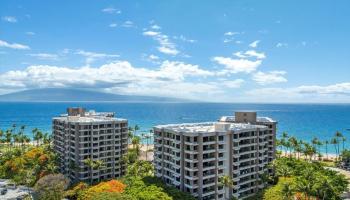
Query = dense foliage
x=27 y=166
x=305 y=180
x=136 y=185
x=51 y=187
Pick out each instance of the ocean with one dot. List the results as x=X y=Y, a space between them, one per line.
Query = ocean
x=303 y=121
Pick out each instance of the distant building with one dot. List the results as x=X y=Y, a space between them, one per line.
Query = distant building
x=193 y=157
x=81 y=135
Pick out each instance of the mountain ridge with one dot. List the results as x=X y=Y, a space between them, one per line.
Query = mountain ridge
x=79 y=95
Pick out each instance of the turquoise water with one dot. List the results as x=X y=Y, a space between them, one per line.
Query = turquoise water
x=304 y=121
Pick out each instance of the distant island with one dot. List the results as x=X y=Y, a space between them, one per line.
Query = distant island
x=78 y=95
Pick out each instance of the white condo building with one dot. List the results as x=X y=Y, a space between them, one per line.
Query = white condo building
x=81 y=135
x=192 y=157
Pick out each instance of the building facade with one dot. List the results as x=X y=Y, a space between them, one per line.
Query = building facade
x=193 y=157
x=80 y=136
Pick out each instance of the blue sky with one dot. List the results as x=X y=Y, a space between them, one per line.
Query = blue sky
x=232 y=51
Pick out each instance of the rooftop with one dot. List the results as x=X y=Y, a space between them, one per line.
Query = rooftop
x=90 y=116
x=258 y=119
x=209 y=127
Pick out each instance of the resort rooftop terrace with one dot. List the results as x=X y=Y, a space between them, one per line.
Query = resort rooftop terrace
x=89 y=117
x=258 y=119
x=209 y=127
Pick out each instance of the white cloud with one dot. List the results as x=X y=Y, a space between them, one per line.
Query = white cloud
x=230 y=37
x=111 y=10
x=231 y=33
x=339 y=92
x=10 y=19
x=13 y=45
x=30 y=33
x=128 y=24
x=168 y=50
x=165 y=45
x=45 y=56
x=169 y=79
x=183 y=38
x=233 y=83
x=250 y=53
x=153 y=57
x=155 y=26
x=113 y=25
x=280 y=44
x=227 y=40
x=269 y=77
x=339 y=88
x=93 y=56
x=151 y=33
x=254 y=44
x=237 y=65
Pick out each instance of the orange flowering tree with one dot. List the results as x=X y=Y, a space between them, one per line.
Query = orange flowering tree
x=28 y=166
x=112 y=186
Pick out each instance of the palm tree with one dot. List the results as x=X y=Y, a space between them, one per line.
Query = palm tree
x=136 y=128
x=334 y=141
x=227 y=182
x=26 y=139
x=130 y=132
x=90 y=163
x=283 y=171
x=147 y=143
x=21 y=135
x=284 y=140
x=93 y=164
x=15 y=139
x=343 y=140
x=1 y=135
x=314 y=143
x=338 y=135
x=287 y=191
x=135 y=141
x=38 y=136
x=34 y=131
x=293 y=143
x=326 y=143
x=8 y=139
x=309 y=150
x=46 y=138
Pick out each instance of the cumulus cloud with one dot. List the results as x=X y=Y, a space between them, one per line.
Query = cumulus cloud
x=128 y=24
x=230 y=37
x=111 y=10
x=44 y=56
x=10 y=19
x=264 y=78
x=113 y=25
x=237 y=65
x=93 y=56
x=155 y=26
x=254 y=44
x=165 y=45
x=13 y=45
x=170 y=78
x=250 y=53
x=231 y=33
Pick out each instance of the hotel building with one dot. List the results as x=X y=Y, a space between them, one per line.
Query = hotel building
x=192 y=157
x=81 y=135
